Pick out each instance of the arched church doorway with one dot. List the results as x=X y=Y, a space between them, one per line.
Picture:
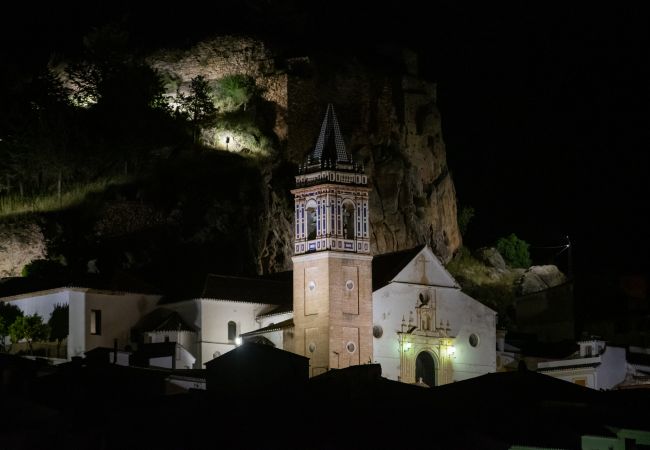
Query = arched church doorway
x=425 y=368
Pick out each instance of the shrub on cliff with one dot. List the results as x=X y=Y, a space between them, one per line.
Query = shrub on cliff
x=514 y=251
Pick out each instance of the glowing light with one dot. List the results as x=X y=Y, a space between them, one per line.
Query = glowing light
x=407 y=346
x=238 y=340
x=451 y=350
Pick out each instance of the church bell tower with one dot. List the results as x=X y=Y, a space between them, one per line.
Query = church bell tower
x=332 y=266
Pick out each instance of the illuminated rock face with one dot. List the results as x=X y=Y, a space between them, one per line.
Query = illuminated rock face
x=392 y=126
x=21 y=242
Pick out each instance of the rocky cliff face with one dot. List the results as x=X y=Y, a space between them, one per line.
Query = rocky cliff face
x=390 y=122
x=21 y=242
x=242 y=206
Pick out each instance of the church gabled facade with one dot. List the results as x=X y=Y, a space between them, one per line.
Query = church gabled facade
x=339 y=307
x=402 y=310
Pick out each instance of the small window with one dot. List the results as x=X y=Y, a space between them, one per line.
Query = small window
x=232 y=330
x=351 y=347
x=377 y=331
x=473 y=340
x=312 y=347
x=96 y=322
x=349 y=285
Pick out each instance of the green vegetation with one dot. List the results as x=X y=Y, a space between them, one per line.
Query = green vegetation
x=8 y=315
x=234 y=92
x=514 y=251
x=198 y=106
x=465 y=216
x=30 y=328
x=59 y=325
x=47 y=202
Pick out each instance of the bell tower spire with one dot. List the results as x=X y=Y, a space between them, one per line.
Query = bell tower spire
x=332 y=263
x=331 y=198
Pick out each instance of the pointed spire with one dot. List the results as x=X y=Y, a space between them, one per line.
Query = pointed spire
x=330 y=146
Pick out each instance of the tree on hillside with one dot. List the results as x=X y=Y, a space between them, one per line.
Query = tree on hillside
x=8 y=315
x=514 y=251
x=30 y=328
x=59 y=325
x=35 y=148
x=198 y=106
x=465 y=216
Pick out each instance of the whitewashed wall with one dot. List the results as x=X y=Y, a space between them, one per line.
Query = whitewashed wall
x=468 y=316
x=215 y=315
x=613 y=369
x=77 y=323
x=42 y=304
x=120 y=312
x=465 y=316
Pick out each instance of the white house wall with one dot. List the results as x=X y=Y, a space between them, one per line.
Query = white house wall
x=465 y=315
x=613 y=369
x=77 y=323
x=215 y=315
x=43 y=304
x=119 y=312
x=276 y=338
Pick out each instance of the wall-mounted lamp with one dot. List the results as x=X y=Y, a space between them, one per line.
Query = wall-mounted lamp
x=451 y=350
x=407 y=346
x=238 y=340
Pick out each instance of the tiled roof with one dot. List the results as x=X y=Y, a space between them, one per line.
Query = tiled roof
x=330 y=145
x=163 y=319
x=117 y=282
x=273 y=327
x=386 y=267
x=282 y=309
x=253 y=290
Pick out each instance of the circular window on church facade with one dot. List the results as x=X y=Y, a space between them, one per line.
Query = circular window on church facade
x=312 y=347
x=377 y=331
x=312 y=285
x=349 y=285
x=351 y=347
x=473 y=340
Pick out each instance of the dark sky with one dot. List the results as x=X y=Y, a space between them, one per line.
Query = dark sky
x=545 y=109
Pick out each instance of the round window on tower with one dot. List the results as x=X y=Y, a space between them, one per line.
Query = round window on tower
x=312 y=347
x=349 y=285
x=377 y=331
x=351 y=347
x=312 y=285
x=473 y=340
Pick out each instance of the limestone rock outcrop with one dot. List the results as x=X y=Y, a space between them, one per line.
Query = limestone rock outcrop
x=491 y=257
x=21 y=242
x=539 y=278
x=390 y=122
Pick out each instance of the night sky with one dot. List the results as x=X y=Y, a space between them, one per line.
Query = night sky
x=545 y=109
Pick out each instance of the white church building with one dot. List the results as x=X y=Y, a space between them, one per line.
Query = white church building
x=340 y=306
